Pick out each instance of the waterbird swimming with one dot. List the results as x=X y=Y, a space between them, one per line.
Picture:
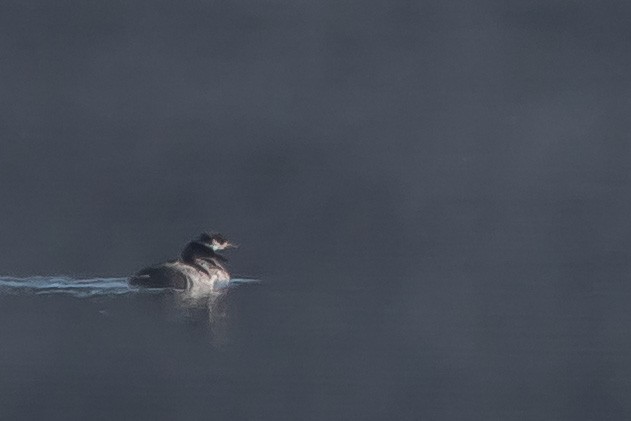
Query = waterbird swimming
x=199 y=266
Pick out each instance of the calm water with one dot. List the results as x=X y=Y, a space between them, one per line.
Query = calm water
x=460 y=348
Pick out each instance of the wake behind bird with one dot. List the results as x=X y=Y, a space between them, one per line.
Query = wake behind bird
x=82 y=288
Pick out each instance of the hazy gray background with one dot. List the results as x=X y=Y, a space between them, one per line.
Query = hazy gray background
x=349 y=135
x=441 y=188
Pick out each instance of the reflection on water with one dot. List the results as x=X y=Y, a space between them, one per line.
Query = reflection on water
x=201 y=305
x=194 y=304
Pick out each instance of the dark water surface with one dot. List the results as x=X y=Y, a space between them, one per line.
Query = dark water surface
x=436 y=195
x=445 y=349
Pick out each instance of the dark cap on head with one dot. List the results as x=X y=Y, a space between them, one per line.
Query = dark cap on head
x=209 y=238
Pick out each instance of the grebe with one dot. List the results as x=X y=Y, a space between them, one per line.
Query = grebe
x=199 y=266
